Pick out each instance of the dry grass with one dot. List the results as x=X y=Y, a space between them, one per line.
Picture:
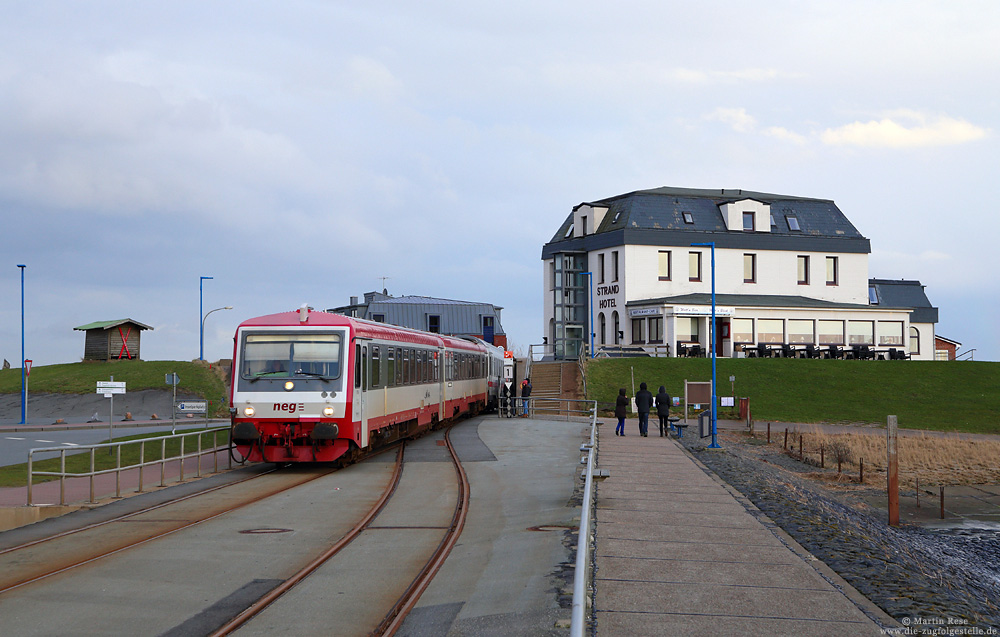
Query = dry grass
x=931 y=460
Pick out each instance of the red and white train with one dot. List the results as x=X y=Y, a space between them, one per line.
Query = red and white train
x=313 y=386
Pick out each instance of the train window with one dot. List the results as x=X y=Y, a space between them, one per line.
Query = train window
x=357 y=366
x=390 y=366
x=437 y=363
x=420 y=365
x=425 y=372
x=406 y=366
x=376 y=367
x=413 y=367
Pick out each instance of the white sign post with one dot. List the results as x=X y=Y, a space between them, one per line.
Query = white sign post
x=109 y=389
x=173 y=379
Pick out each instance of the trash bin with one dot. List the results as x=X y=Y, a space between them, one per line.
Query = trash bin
x=705 y=423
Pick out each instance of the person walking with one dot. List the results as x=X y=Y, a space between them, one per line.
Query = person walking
x=663 y=410
x=643 y=403
x=525 y=397
x=621 y=409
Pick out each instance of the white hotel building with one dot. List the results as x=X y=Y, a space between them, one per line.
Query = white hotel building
x=788 y=271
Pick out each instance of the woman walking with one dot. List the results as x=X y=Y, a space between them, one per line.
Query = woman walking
x=621 y=408
x=663 y=410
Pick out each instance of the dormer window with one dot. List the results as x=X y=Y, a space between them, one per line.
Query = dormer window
x=748 y=222
x=774 y=224
x=872 y=295
x=793 y=223
x=688 y=217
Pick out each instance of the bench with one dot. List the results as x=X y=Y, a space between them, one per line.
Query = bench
x=676 y=426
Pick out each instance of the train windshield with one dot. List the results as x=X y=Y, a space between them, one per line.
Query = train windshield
x=291 y=355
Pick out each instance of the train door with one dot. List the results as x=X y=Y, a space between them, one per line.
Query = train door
x=360 y=413
x=441 y=371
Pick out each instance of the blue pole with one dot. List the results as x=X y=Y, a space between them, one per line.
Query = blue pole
x=590 y=310
x=201 y=312
x=24 y=397
x=711 y=345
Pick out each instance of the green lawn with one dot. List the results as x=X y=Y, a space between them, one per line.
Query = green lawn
x=81 y=378
x=945 y=396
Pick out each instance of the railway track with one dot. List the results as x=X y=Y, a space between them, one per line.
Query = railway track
x=420 y=542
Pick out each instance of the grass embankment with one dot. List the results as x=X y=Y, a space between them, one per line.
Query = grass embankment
x=944 y=396
x=82 y=378
x=79 y=462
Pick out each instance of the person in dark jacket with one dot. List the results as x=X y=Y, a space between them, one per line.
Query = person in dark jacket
x=621 y=409
x=525 y=397
x=643 y=403
x=663 y=410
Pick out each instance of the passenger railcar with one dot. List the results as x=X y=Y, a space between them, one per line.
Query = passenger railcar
x=311 y=386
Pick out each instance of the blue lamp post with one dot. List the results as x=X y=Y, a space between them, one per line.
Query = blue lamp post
x=711 y=345
x=24 y=396
x=590 y=308
x=201 y=312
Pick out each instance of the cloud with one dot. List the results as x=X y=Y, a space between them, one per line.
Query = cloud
x=784 y=134
x=904 y=129
x=737 y=118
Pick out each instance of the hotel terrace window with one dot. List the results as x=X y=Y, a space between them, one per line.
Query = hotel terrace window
x=860 y=332
x=749 y=268
x=830 y=332
x=748 y=225
x=800 y=331
x=694 y=266
x=637 y=330
x=742 y=330
x=688 y=217
x=831 y=271
x=656 y=329
x=890 y=333
x=664 y=265
x=770 y=331
x=802 y=265
x=687 y=329
x=914 y=340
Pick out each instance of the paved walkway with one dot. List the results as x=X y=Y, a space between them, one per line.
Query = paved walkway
x=679 y=552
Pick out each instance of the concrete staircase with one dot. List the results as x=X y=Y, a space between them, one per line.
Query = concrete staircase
x=554 y=380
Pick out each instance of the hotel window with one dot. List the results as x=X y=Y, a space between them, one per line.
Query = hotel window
x=872 y=295
x=637 y=330
x=773 y=223
x=914 y=340
x=603 y=329
x=378 y=318
x=802 y=266
x=831 y=271
x=793 y=223
x=890 y=333
x=742 y=330
x=434 y=323
x=656 y=329
x=770 y=331
x=800 y=331
x=600 y=268
x=618 y=216
x=569 y=232
x=583 y=226
x=830 y=332
x=664 y=265
x=687 y=329
x=860 y=332
x=749 y=268
x=617 y=329
x=614 y=265
x=688 y=217
x=748 y=225
x=694 y=266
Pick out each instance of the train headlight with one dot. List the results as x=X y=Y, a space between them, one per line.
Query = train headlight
x=328 y=412
x=289 y=385
x=249 y=411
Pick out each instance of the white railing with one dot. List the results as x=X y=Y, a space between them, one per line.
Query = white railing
x=116 y=449
x=581 y=576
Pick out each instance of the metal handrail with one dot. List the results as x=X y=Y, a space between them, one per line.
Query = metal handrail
x=967 y=353
x=118 y=468
x=582 y=572
x=573 y=407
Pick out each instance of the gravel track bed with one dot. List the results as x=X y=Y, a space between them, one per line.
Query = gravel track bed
x=919 y=576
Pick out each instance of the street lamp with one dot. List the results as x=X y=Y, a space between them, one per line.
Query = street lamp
x=711 y=345
x=201 y=311
x=24 y=397
x=228 y=307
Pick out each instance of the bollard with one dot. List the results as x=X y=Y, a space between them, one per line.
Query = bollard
x=822 y=459
x=768 y=433
x=861 y=471
x=801 y=457
x=892 y=472
x=786 y=438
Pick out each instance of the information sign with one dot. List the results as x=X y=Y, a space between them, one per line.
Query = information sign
x=106 y=387
x=193 y=406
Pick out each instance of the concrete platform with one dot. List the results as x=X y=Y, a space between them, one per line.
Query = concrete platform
x=679 y=552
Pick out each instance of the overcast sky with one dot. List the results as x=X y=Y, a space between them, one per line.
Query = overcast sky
x=299 y=151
